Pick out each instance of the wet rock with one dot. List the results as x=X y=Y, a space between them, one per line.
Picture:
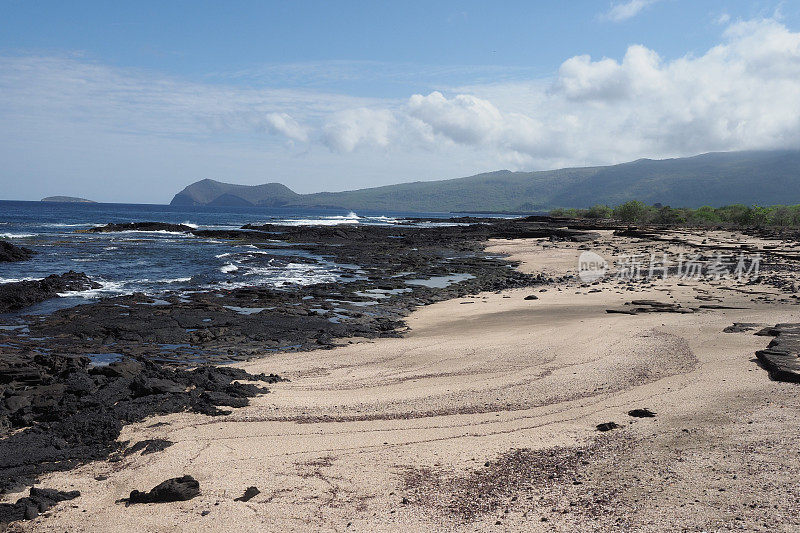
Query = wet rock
x=172 y=490
x=11 y=252
x=141 y=226
x=248 y=495
x=21 y=294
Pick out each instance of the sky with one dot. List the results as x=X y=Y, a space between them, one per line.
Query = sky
x=132 y=101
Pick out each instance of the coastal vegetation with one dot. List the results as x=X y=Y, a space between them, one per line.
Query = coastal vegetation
x=735 y=215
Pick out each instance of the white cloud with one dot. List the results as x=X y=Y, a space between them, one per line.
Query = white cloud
x=723 y=19
x=741 y=94
x=58 y=115
x=349 y=129
x=284 y=124
x=626 y=10
x=75 y=93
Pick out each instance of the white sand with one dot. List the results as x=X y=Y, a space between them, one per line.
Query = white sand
x=473 y=379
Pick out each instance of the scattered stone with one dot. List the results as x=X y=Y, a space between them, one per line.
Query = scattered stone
x=641 y=413
x=249 y=494
x=651 y=306
x=531 y=297
x=38 y=501
x=739 y=327
x=607 y=426
x=149 y=446
x=172 y=490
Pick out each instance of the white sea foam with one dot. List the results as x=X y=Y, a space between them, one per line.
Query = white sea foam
x=350 y=218
x=220 y=256
x=62 y=225
x=388 y=220
x=15 y=280
x=228 y=268
x=158 y=231
x=107 y=288
x=16 y=235
x=193 y=226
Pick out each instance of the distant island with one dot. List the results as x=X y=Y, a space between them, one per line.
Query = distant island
x=68 y=200
x=715 y=179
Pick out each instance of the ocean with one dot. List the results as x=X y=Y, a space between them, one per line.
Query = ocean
x=156 y=262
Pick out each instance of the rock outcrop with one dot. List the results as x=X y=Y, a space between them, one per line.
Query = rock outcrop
x=21 y=294
x=11 y=252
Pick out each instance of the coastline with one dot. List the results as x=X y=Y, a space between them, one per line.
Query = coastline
x=405 y=433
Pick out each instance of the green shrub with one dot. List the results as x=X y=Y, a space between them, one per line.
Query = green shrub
x=599 y=211
x=633 y=211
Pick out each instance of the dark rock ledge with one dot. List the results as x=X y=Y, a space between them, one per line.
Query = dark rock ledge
x=781 y=358
x=21 y=294
x=11 y=252
x=58 y=411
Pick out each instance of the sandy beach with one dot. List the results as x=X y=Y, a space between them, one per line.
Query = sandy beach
x=483 y=417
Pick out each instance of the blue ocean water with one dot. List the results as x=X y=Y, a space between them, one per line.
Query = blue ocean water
x=155 y=262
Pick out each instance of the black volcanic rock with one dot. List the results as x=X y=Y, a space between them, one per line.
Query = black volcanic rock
x=176 y=489
x=21 y=294
x=38 y=501
x=781 y=358
x=248 y=494
x=140 y=226
x=607 y=426
x=57 y=411
x=11 y=252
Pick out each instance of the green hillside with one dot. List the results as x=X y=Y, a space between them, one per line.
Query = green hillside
x=715 y=179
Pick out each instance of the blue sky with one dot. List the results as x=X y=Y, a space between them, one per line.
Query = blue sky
x=133 y=101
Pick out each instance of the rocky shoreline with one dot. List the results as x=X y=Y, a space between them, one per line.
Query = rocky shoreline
x=388 y=271
x=70 y=380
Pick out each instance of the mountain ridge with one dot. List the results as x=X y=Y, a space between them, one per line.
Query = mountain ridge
x=715 y=178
